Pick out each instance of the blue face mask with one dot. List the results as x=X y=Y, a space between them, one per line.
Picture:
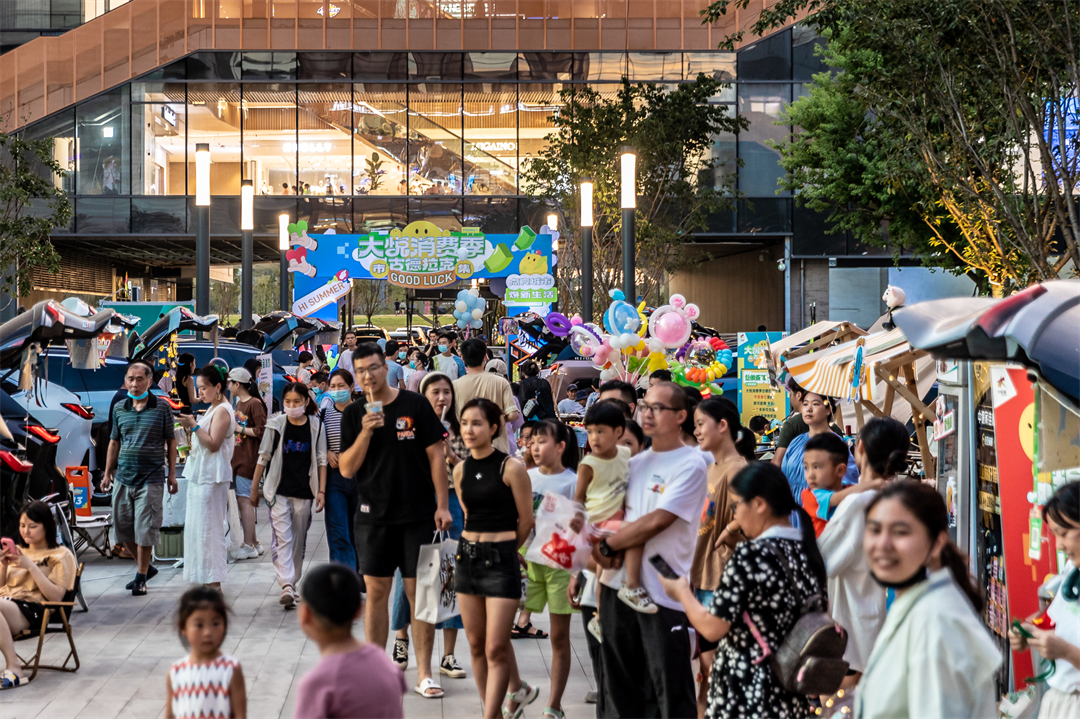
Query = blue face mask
x=339 y=395
x=412 y=365
x=443 y=348
x=139 y=397
x=402 y=355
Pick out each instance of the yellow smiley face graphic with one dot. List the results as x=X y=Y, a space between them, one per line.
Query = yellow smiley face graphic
x=1027 y=431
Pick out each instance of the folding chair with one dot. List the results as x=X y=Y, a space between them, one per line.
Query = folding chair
x=49 y=625
x=60 y=513
x=93 y=532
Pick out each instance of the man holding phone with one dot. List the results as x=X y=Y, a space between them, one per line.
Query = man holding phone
x=663 y=504
x=392 y=443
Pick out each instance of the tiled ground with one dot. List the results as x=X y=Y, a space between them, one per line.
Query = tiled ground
x=127 y=643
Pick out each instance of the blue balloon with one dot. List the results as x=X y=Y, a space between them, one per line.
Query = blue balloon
x=621 y=317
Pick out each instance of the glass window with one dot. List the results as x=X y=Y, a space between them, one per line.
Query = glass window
x=214 y=111
x=214 y=66
x=379 y=213
x=325 y=159
x=655 y=66
x=490 y=139
x=224 y=214
x=435 y=148
x=324 y=213
x=61 y=128
x=493 y=215
x=717 y=65
x=271 y=153
x=156 y=91
x=603 y=66
x=812 y=234
x=549 y=66
x=805 y=61
x=491 y=66
x=266 y=209
x=159 y=215
x=269 y=65
x=157 y=146
x=769 y=59
x=761 y=105
x=725 y=162
x=380 y=139
x=535 y=112
x=376 y=66
x=330 y=66
x=443 y=212
x=765 y=215
x=103 y=215
x=103 y=149
x=435 y=65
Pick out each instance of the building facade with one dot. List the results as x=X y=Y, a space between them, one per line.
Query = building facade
x=362 y=115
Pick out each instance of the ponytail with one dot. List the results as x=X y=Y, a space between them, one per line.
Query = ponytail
x=885 y=443
x=766 y=480
x=724 y=410
x=928 y=506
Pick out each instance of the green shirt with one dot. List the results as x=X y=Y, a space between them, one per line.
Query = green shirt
x=142 y=436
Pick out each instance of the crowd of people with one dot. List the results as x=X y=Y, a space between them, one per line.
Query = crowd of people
x=701 y=553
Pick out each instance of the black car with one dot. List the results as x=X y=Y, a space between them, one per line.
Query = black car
x=27 y=464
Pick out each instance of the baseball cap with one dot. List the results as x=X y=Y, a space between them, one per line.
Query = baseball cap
x=239 y=374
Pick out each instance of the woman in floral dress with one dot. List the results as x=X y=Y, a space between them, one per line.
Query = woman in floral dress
x=756 y=585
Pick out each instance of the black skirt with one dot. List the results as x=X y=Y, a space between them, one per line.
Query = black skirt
x=488 y=569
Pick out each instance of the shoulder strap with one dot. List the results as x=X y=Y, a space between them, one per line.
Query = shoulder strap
x=788 y=573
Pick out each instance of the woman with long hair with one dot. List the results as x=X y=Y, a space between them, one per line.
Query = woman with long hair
x=934 y=656
x=718 y=431
x=185 y=379
x=341 y=495
x=766 y=581
x=209 y=474
x=497 y=501
x=38 y=571
x=250 y=415
x=818 y=411
x=856 y=601
x=1060 y=644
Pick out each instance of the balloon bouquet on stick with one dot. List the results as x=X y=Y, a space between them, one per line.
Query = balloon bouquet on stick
x=469 y=310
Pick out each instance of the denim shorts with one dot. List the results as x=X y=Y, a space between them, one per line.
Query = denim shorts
x=243 y=486
x=488 y=569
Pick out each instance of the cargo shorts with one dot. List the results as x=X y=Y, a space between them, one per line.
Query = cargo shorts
x=137 y=513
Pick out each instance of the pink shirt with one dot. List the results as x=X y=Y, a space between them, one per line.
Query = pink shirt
x=359 y=685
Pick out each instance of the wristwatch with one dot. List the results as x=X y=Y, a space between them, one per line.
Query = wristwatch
x=605 y=550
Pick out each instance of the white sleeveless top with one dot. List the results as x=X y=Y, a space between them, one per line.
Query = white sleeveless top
x=201 y=691
x=204 y=466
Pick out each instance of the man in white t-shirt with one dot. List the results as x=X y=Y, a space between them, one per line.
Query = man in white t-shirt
x=663 y=505
x=345 y=358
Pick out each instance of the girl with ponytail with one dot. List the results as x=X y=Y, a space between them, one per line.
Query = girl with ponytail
x=766 y=579
x=933 y=656
x=856 y=601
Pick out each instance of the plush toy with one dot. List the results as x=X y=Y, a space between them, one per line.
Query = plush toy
x=893 y=298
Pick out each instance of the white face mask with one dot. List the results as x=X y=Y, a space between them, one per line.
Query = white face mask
x=295 y=412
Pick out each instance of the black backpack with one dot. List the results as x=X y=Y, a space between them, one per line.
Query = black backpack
x=811 y=658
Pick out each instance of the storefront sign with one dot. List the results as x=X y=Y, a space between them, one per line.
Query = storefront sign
x=944 y=426
x=757 y=395
x=168 y=115
x=530 y=290
x=321 y=297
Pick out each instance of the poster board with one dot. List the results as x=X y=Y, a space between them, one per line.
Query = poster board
x=757 y=393
x=265 y=381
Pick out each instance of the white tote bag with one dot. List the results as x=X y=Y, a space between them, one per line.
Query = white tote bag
x=436 y=599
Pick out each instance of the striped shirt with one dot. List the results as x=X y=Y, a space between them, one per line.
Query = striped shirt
x=331 y=418
x=142 y=436
x=201 y=691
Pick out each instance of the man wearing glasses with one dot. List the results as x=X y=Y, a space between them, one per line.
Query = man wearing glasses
x=392 y=443
x=663 y=504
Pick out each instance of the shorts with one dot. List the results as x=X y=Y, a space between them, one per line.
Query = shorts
x=611 y=524
x=488 y=569
x=547 y=586
x=242 y=485
x=705 y=596
x=382 y=548
x=137 y=513
x=32 y=611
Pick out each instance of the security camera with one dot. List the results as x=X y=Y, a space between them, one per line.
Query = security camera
x=781 y=265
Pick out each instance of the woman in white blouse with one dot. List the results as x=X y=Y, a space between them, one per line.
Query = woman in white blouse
x=933 y=657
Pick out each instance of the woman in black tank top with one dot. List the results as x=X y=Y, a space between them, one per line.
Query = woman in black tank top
x=496 y=494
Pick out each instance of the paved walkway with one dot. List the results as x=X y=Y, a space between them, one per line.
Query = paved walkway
x=126 y=645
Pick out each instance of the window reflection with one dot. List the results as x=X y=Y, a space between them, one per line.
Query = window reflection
x=325 y=127
x=435 y=145
x=380 y=139
x=158 y=146
x=102 y=151
x=491 y=146
x=214 y=113
x=761 y=104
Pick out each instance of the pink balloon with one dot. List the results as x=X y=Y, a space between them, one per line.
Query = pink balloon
x=671 y=328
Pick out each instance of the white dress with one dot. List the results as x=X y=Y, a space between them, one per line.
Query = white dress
x=209 y=475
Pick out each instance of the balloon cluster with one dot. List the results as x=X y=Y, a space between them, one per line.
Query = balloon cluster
x=469 y=309
x=703 y=362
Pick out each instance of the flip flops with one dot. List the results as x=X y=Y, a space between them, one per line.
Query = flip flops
x=9 y=680
x=427 y=685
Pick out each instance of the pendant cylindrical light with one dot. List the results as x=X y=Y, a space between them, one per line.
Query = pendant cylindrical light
x=247 y=202
x=202 y=174
x=629 y=179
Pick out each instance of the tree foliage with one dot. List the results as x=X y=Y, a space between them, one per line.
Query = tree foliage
x=944 y=114
x=672 y=133
x=369 y=297
x=32 y=204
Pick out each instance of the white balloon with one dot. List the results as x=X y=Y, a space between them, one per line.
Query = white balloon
x=461 y=305
x=474 y=293
x=478 y=313
x=477 y=324
x=608 y=374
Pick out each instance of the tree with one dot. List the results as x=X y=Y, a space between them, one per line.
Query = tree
x=265 y=294
x=368 y=297
x=679 y=184
x=32 y=204
x=969 y=104
x=224 y=297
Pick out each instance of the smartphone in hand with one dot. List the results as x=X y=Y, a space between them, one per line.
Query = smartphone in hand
x=9 y=547
x=662 y=567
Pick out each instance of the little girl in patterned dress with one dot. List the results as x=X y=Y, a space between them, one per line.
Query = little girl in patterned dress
x=205 y=684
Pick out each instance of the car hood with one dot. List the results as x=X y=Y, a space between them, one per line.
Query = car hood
x=45 y=323
x=275 y=328
x=325 y=333
x=178 y=319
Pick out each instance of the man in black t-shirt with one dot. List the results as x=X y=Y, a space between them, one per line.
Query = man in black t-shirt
x=397 y=458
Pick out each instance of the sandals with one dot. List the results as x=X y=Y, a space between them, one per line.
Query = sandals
x=524 y=696
x=551 y=713
x=9 y=680
x=426 y=686
x=523 y=632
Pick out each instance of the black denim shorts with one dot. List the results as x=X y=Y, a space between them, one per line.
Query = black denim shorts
x=488 y=569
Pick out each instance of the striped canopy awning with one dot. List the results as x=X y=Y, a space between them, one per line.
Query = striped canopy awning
x=831 y=372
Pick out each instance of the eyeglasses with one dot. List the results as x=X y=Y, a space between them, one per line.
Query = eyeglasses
x=654 y=408
x=370 y=369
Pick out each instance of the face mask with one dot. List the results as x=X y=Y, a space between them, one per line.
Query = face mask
x=295 y=412
x=918 y=576
x=138 y=397
x=402 y=355
x=339 y=395
x=412 y=365
x=443 y=348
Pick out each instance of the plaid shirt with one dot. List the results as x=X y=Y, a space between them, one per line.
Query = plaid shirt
x=142 y=437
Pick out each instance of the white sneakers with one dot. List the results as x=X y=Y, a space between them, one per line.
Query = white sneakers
x=246 y=551
x=288 y=597
x=638 y=600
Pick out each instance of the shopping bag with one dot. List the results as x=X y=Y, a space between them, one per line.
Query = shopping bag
x=557 y=544
x=436 y=599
